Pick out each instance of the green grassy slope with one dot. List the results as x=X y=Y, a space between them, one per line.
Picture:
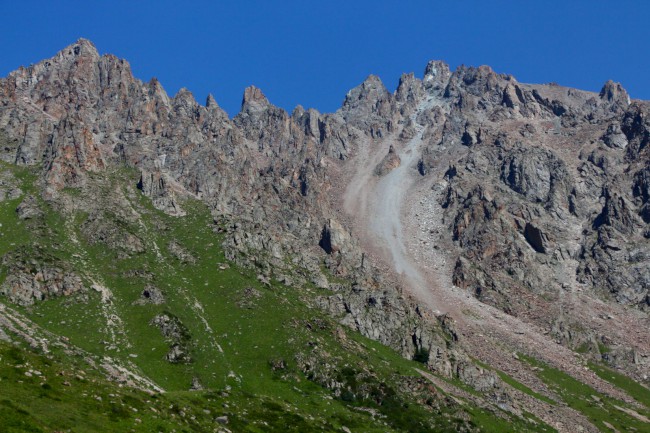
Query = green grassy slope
x=604 y=412
x=265 y=358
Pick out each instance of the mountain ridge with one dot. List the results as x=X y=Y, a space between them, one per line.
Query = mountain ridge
x=610 y=86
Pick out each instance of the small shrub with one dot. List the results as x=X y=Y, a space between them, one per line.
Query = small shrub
x=421 y=355
x=347 y=395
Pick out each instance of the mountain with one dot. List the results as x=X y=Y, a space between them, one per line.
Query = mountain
x=467 y=253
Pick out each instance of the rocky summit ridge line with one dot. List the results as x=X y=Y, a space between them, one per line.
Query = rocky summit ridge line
x=466 y=216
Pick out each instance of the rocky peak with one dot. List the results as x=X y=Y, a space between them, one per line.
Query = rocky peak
x=214 y=109
x=185 y=96
x=210 y=102
x=157 y=92
x=184 y=102
x=436 y=75
x=76 y=78
x=471 y=88
x=298 y=112
x=76 y=59
x=261 y=121
x=370 y=93
x=309 y=121
x=82 y=51
x=409 y=88
x=479 y=80
x=436 y=69
x=615 y=93
x=83 y=47
x=254 y=100
x=369 y=107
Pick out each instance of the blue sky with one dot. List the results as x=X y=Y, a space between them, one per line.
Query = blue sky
x=312 y=53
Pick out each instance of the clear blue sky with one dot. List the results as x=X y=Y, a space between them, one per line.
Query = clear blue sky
x=313 y=52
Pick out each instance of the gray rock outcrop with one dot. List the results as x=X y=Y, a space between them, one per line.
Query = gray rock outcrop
x=177 y=335
x=30 y=281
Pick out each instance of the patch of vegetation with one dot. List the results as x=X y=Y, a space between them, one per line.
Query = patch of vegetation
x=516 y=384
x=44 y=393
x=523 y=388
x=13 y=231
x=598 y=408
x=634 y=389
x=487 y=420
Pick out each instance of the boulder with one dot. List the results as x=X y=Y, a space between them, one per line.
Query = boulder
x=27 y=285
x=335 y=238
x=537 y=238
x=390 y=162
x=28 y=208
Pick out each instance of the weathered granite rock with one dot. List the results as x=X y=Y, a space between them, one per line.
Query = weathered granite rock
x=615 y=94
x=335 y=238
x=28 y=208
x=157 y=186
x=177 y=335
x=31 y=280
x=390 y=162
x=106 y=228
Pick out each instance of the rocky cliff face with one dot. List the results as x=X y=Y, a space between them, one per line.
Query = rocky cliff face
x=265 y=172
x=542 y=193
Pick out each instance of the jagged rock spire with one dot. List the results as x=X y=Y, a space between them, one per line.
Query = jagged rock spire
x=615 y=93
x=436 y=70
x=210 y=102
x=254 y=99
x=371 y=91
x=81 y=48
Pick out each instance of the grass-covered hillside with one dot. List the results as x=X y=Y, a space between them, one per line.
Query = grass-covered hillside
x=118 y=317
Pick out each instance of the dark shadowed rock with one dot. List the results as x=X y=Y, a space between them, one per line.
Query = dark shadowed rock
x=334 y=238
x=537 y=238
x=151 y=295
x=159 y=187
x=615 y=213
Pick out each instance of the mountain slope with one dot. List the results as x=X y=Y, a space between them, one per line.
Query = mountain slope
x=171 y=316
x=477 y=225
